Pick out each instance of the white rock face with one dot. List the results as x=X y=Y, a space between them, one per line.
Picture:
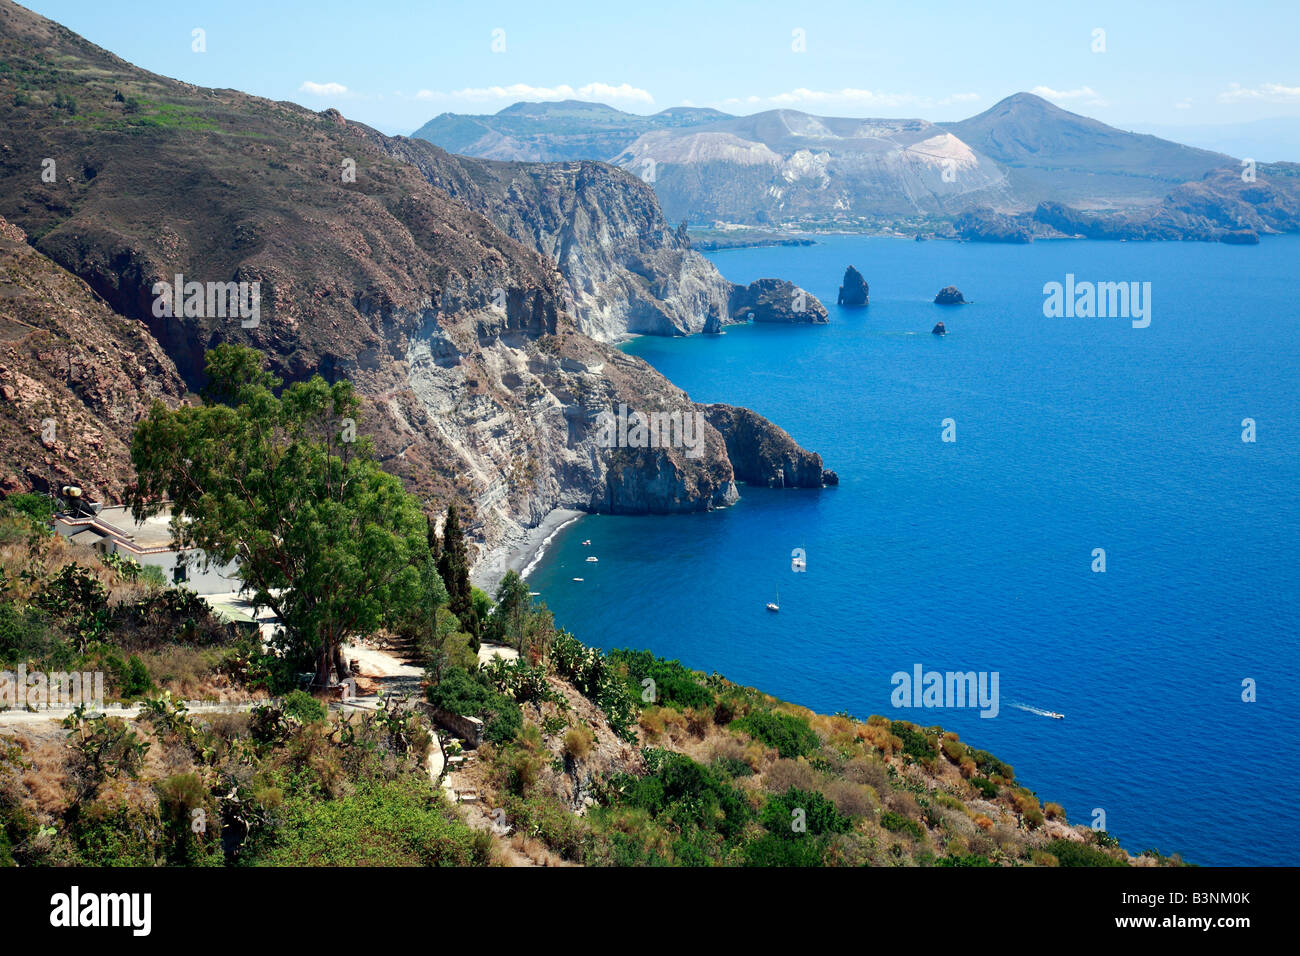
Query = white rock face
x=785 y=166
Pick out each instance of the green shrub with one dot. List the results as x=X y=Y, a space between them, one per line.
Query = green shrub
x=820 y=815
x=1070 y=853
x=684 y=795
x=791 y=736
x=968 y=859
x=131 y=677
x=674 y=685
x=548 y=819
x=112 y=831
x=985 y=786
x=401 y=822
x=27 y=635
x=915 y=743
x=191 y=824
x=898 y=823
x=40 y=508
x=469 y=695
x=772 y=850
x=303 y=706
x=732 y=767
x=991 y=766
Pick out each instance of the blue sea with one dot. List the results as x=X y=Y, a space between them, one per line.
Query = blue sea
x=1072 y=434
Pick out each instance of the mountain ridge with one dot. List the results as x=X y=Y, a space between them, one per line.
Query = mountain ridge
x=789 y=169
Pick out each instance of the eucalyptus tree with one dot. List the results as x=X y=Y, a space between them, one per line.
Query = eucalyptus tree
x=276 y=480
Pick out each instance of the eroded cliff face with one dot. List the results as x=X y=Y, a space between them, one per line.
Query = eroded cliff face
x=478 y=383
x=74 y=378
x=625 y=270
x=520 y=413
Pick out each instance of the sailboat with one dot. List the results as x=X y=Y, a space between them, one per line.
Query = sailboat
x=775 y=605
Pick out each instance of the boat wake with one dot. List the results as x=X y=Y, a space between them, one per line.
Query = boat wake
x=1039 y=711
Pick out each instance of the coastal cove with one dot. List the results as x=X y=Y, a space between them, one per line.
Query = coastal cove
x=1073 y=434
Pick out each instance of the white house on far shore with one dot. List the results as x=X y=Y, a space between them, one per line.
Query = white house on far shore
x=115 y=530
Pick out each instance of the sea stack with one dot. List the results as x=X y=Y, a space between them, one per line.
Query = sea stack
x=854 y=290
x=939 y=330
x=949 y=295
x=775 y=300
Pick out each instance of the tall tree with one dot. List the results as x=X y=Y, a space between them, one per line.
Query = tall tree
x=508 y=624
x=453 y=568
x=264 y=477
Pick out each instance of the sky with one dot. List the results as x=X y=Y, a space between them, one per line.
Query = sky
x=394 y=65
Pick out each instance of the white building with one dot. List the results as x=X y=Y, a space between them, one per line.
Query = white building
x=116 y=530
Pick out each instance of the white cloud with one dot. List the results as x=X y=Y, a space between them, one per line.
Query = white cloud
x=525 y=91
x=603 y=91
x=322 y=89
x=1269 y=92
x=1085 y=93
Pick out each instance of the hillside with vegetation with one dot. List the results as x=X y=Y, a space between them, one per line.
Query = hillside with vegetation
x=587 y=757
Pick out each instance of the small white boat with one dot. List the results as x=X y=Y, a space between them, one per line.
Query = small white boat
x=776 y=604
x=1055 y=716
x=577 y=579
x=592 y=560
x=587 y=543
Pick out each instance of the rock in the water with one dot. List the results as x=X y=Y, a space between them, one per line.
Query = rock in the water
x=949 y=295
x=775 y=300
x=939 y=329
x=854 y=290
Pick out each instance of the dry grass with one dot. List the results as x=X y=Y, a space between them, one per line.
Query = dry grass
x=785 y=774
x=578 y=742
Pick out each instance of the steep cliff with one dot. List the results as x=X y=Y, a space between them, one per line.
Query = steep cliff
x=626 y=271
x=763 y=454
x=478 y=383
x=74 y=377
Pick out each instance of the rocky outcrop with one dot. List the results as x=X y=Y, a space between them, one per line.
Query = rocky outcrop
x=949 y=295
x=939 y=329
x=775 y=300
x=74 y=378
x=763 y=454
x=625 y=271
x=985 y=225
x=853 y=290
x=477 y=381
